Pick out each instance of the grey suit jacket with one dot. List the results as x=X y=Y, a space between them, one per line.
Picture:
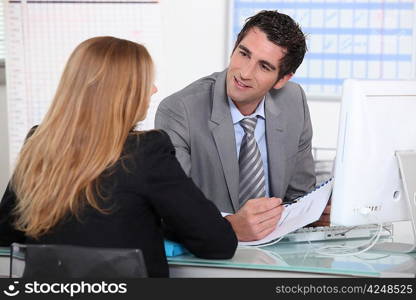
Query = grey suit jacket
x=198 y=121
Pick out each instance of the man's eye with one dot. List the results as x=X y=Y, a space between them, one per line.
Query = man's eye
x=265 y=67
x=243 y=53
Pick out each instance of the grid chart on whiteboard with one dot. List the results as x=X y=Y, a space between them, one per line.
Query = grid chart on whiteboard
x=346 y=39
x=42 y=34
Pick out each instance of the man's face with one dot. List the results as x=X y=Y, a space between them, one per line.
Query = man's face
x=254 y=69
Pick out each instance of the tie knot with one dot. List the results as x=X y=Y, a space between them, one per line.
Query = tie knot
x=249 y=124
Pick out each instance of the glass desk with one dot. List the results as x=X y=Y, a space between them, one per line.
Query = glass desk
x=296 y=260
x=286 y=260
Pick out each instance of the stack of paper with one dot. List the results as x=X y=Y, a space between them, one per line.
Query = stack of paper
x=306 y=210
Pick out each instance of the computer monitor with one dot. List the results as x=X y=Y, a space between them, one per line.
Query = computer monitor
x=377 y=118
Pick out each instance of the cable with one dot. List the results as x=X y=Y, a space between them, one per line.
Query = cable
x=270 y=243
x=342 y=250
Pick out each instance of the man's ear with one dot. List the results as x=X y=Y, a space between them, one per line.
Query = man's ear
x=282 y=81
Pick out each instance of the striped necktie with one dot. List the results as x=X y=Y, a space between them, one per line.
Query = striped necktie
x=252 y=181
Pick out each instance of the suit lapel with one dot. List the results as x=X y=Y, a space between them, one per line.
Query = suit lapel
x=222 y=129
x=275 y=132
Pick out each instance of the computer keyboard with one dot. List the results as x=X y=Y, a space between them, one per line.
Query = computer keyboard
x=313 y=234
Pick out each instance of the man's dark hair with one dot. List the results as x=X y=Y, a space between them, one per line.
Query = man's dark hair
x=283 y=31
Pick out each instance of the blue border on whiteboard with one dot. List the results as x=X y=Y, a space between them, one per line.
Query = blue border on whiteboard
x=234 y=27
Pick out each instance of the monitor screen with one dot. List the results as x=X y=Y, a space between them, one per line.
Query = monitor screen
x=377 y=118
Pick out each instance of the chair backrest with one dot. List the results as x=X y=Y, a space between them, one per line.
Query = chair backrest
x=67 y=261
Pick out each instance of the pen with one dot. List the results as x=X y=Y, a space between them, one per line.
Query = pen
x=289 y=202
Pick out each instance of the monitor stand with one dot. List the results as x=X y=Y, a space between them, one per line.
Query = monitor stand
x=407 y=166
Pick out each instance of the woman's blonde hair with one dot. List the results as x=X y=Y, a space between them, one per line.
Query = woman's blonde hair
x=104 y=91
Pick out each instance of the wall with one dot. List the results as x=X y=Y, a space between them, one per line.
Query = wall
x=194 y=40
x=194 y=46
x=4 y=152
x=195 y=35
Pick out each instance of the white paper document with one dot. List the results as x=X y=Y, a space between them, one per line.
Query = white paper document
x=306 y=210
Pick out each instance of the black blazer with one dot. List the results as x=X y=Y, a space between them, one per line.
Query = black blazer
x=148 y=195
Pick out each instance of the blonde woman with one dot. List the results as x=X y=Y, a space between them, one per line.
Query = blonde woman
x=84 y=177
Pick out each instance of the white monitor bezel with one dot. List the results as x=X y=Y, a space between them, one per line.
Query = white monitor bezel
x=350 y=207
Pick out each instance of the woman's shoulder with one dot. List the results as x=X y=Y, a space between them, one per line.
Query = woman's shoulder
x=149 y=136
x=154 y=134
x=153 y=140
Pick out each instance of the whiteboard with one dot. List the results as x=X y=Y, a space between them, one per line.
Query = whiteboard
x=363 y=39
x=40 y=36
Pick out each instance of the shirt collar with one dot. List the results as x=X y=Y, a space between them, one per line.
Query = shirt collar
x=237 y=116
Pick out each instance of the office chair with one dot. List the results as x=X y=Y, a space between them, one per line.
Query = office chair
x=68 y=262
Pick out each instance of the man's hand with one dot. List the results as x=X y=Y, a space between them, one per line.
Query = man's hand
x=256 y=219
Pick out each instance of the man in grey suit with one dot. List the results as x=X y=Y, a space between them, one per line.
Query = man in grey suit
x=244 y=134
